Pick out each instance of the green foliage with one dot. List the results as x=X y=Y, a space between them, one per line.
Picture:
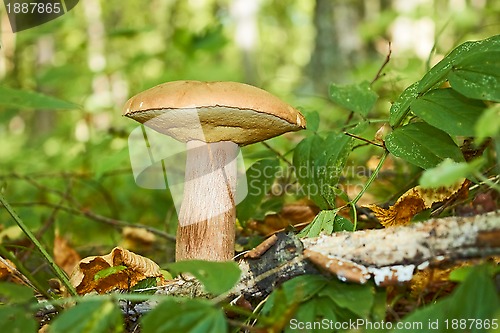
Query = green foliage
x=472 y=71
x=439 y=106
x=260 y=178
x=472 y=307
x=95 y=315
x=422 y=145
x=70 y=176
x=313 y=298
x=16 y=294
x=14 y=311
x=358 y=98
x=16 y=319
x=449 y=172
x=488 y=125
x=318 y=165
x=108 y=271
x=184 y=315
x=327 y=222
x=32 y=100
x=208 y=273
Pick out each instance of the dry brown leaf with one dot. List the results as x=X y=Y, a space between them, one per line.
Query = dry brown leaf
x=64 y=255
x=291 y=214
x=137 y=238
x=7 y=269
x=414 y=201
x=137 y=269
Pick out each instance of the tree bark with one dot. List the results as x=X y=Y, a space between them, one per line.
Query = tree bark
x=389 y=256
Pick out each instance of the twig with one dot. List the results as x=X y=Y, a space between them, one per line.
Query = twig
x=99 y=218
x=386 y=61
x=57 y=270
x=280 y=156
x=363 y=139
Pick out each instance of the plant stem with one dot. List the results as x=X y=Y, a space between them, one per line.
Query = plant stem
x=57 y=270
x=371 y=179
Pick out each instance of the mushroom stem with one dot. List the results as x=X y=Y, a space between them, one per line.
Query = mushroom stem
x=207 y=215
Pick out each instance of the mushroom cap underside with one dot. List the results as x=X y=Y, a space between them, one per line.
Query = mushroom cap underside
x=213 y=111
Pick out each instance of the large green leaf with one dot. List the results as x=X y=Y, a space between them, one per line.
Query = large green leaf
x=96 y=315
x=478 y=76
x=422 y=144
x=260 y=177
x=448 y=111
x=318 y=166
x=448 y=173
x=402 y=104
x=14 y=293
x=438 y=74
x=312 y=312
x=296 y=290
x=184 y=315
x=489 y=123
x=474 y=303
x=356 y=298
x=304 y=161
x=31 y=100
x=209 y=273
x=359 y=98
x=16 y=319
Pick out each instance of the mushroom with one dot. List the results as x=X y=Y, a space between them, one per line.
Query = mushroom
x=214 y=119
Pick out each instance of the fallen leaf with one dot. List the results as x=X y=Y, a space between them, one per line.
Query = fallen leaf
x=7 y=269
x=292 y=214
x=137 y=269
x=414 y=201
x=64 y=255
x=137 y=238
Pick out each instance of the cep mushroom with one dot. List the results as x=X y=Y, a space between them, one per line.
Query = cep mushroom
x=214 y=119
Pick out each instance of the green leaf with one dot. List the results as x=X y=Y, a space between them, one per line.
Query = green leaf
x=449 y=111
x=108 y=271
x=342 y=224
x=184 y=315
x=209 y=273
x=359 y=98
x=448 y=173
x=14 y=293
x=296 y=290
x=476 y=298
x=422 y=144
x=312 y=119
x=318 y=166
x=478 y=75
x=322 y=222
x=327 y=222
x=458 y=57
x=304 y=161
x=488 y=125
x=32 y=100
x=260 y=177
x=96 y=315
x=16 y=319
x=400 y=107
x=312 y=311
x=356 y=298
x=147 y=283
x=460 y=274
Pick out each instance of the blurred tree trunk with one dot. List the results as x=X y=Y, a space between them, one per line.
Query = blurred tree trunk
x=43 y=121
x=337 y=45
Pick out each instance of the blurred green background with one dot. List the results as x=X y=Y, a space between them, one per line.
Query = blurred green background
x=69 y=169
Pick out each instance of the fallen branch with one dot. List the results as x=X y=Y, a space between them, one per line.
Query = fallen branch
x=390 y=256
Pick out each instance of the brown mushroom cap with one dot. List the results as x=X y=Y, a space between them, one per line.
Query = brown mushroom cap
x=213 y=112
